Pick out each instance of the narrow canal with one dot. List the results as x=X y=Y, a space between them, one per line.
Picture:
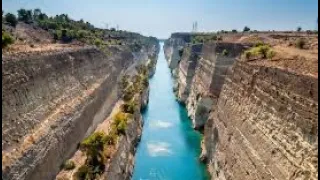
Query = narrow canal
x=169 y=147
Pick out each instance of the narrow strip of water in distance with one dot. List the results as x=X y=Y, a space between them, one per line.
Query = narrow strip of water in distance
x=169 y=148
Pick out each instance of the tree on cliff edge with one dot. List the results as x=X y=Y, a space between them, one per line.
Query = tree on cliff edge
x=246 y=29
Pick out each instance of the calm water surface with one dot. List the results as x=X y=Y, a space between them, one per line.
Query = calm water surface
x=169 y=147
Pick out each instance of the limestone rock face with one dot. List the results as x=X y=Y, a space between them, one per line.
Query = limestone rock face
x=259 y=122
x=208 y=79
x=186 y=70
x=52 y=101
x=172 y=49
x=264 y=126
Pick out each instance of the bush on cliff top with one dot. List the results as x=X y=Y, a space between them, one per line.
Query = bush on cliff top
x=7 y=39
x=300 y=43
x=11 y=19
x=263 y=51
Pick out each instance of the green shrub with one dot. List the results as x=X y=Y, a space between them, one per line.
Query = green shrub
x=93 y=147
x=247 y=54
x=225 y=52
x=145 y=81
x=25 y=15
x=111 y=138
x=6 y=39
x=82 y=34
x=121 y=128
x=57 y=34
x=119 y=117
x=270 y=54
x=11 y=19
x=262 y=50
x=128 y=93
x=98 y=42
x=120 y=122
x=300 y=43
x=69 y=165
x=123 y=84
x=259 y=43
x=142 y=69
x=234 y=31
x=299 y=29
x=85 y=172
x=246 y=29
x=130 y=106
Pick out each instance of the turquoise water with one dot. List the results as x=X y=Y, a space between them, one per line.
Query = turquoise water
x=169 y=147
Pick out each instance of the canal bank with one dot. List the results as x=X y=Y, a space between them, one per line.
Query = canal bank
x=169 y=147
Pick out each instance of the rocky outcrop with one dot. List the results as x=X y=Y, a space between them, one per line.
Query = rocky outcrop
x=259 y=121
x=209 y=78
x=200 y=75
x=186 y=71
x=52 y=101
x=122 y=162
x=264 y=125
x=172 y=48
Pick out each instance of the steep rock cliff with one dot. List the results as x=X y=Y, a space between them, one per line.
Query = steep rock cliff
x=186 y=70
x=171 y=49
x=51 y=101
x=209 y=78
x=264 y=125
x=259 y=117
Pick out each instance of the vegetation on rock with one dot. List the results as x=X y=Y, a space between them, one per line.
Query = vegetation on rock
x=64 y=29
x=225 y=52
x=93 y=147
x=259 y=50
x=69 y=165
x=7 y=39
x=300 y=43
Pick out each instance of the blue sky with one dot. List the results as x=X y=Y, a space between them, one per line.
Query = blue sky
x=162 y=17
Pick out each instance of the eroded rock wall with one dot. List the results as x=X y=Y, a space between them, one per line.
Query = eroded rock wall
x=121 y=165
x=209 y=78
x=186 y=70
x=52 y=101
x=259 y=122
x=171 y=48
x=264 y=126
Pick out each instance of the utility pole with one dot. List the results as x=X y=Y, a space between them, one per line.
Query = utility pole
x=192 y=27
x=196 y=26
